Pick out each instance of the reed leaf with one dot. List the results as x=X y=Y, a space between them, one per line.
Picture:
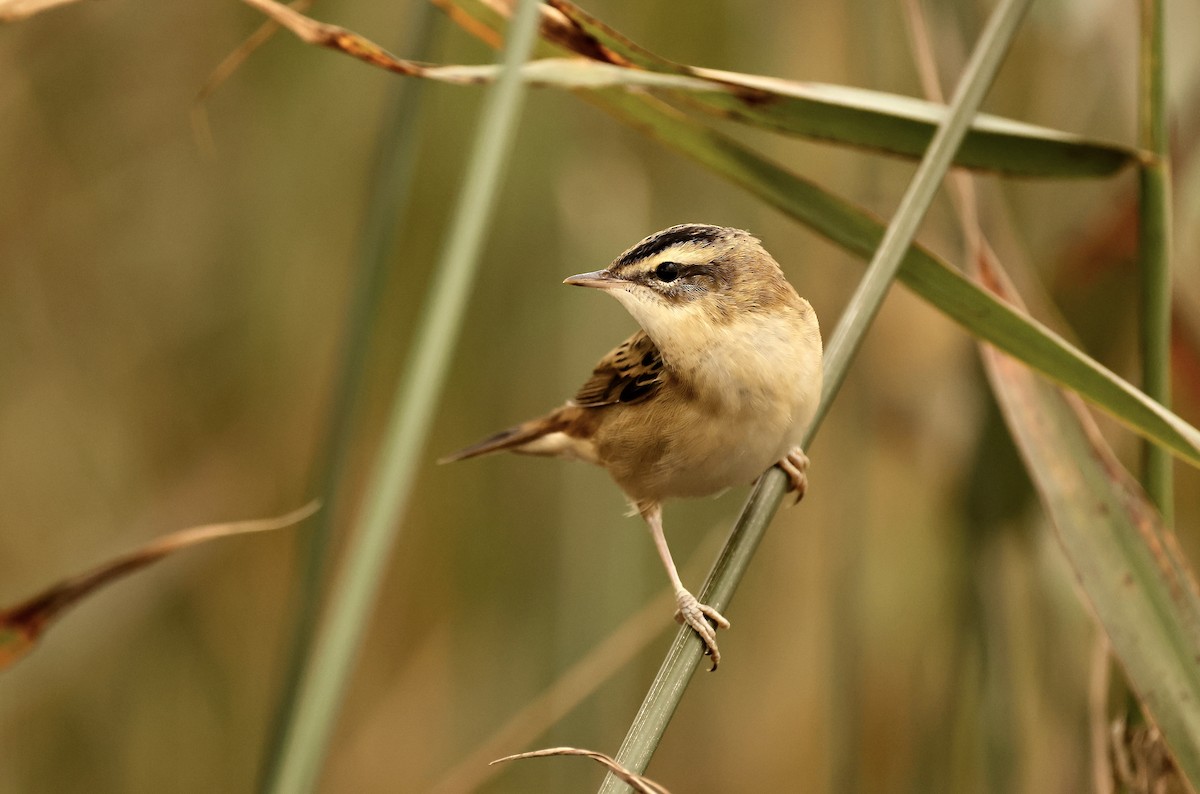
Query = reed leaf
x=1154 y=244
x=884 y=122
x=1127 y=562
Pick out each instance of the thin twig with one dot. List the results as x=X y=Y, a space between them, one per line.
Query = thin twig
x=224 y=70
x=640 y=784
x=1098 y=724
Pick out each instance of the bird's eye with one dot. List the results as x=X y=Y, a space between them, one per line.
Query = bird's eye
x=667 y=271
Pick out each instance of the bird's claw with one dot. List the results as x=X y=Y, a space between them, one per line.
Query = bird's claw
x=698 y=616
x=795 y=466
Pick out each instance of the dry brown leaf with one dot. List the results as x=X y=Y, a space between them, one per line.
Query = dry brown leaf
x=571 y=73
x=321 y=34
x=580 y=72
x=1143 y=764
x=642 y=785
x=22 y=625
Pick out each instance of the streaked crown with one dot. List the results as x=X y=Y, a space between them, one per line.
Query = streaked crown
x=725 y=268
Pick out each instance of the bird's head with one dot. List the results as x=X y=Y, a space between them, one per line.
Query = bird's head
x=693 y=273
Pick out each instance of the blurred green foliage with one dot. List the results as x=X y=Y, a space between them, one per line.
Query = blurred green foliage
x=168 y=322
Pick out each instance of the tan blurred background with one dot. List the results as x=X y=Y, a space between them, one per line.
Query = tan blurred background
x=168 y=327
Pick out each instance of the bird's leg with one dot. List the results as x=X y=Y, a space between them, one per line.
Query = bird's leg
x=795 y=466
x=691 y=611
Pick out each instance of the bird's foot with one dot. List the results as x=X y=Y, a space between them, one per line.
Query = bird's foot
x=698 y=616
x=795 y=466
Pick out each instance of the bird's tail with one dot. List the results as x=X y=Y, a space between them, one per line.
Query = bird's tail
x=513 y=438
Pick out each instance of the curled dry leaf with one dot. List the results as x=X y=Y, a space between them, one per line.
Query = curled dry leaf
x=640 y=784
x=321 y=34
x=23 y=624
x=1142 y=763
x=562 y=72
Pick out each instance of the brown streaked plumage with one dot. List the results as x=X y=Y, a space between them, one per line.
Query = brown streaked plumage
x=719 y=384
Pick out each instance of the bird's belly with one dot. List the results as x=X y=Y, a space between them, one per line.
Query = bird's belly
x=692 y=454
x=719 y=459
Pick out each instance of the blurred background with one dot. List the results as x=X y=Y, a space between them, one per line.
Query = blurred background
x=170 y=314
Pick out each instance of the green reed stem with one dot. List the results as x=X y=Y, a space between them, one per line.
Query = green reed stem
x=685 y=652
x=1154 y=247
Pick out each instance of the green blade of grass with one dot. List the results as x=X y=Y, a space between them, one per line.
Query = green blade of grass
x=676 y=671
x=306 y=736
x=1154 y=245
x=887 y=123
x=1126 y=560
x=884 y=122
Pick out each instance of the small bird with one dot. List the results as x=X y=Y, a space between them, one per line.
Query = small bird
x=719 y=384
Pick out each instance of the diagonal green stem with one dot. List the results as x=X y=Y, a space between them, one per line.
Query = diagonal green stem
x=1154 y=246
x=306 y=736
x=684 y=655
x=391 y=182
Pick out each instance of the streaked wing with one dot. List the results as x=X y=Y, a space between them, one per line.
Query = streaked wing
x=632 y=372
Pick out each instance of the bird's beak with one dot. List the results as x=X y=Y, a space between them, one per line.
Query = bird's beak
x=602 y=279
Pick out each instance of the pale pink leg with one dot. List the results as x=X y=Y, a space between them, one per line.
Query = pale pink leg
x=691 y=611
